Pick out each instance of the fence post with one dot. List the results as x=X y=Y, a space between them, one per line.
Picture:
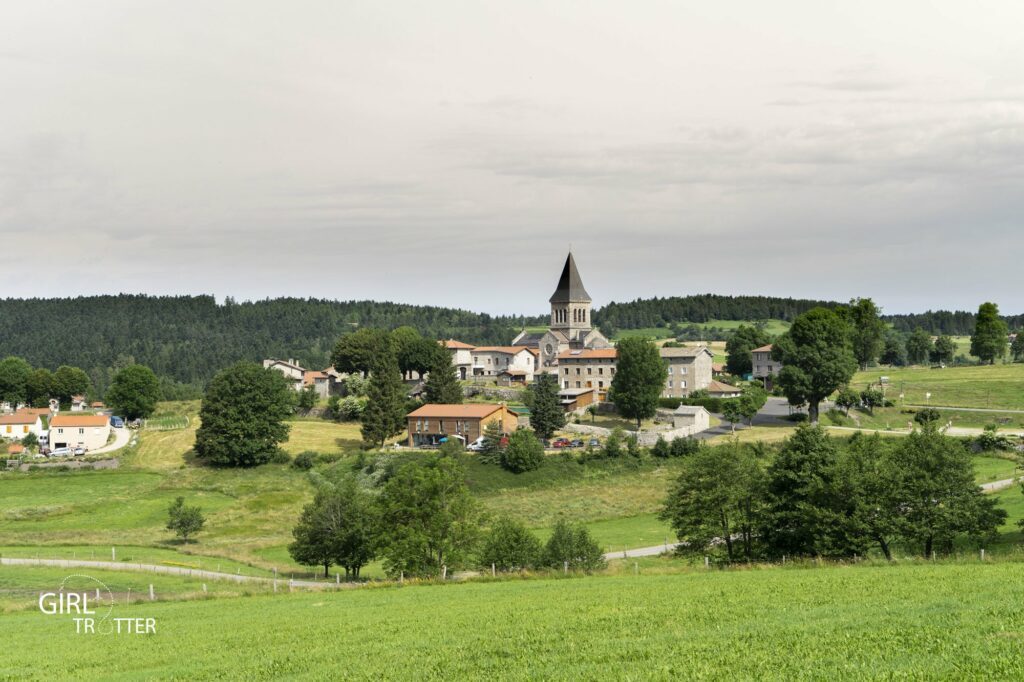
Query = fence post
x=565 y=567
x=113 y=554
x=707 y=562
x=493 y=573
x=275 y=586
x=444 y=573
x=982 y=554
x=636 y=568
x=337 y=578
x=151 y=596
x=204 y=588
x=128 y=600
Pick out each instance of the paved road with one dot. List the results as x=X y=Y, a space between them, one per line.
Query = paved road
x=642 y=551
x=1000 y=485
x=122 y=437
x=168 y=570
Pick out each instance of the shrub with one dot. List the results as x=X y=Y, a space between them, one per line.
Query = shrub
x=613 y=446
x=305 y=460
x=661 y=448
x=280 y=457
x=682 y=447
x=524 y=452
x=510 y=546
x=927 y=416
x=574 y=546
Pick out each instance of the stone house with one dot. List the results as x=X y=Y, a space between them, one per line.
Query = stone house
x=462 y=357
x=590 y=368
x=489 y=361
x=689 y=369
x=764 y=368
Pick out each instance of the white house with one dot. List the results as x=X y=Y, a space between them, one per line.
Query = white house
x=490 y=360
x=89 y=431
x=462 y=357
x=18 y=425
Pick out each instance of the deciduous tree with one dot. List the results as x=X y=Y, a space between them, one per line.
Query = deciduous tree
x=990 y=334
x=184 y=521
x=817 y=358
x=510 y=546
x=524 y=452
x=640 y=377
x=242 y=416
x=919 y=347
x=739 y=346
x=866 y=329
x=134 y=392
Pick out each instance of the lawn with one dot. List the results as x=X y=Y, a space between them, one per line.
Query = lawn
x=897 y=418
x=998 y=387
x=988 y=469
x=911 y=621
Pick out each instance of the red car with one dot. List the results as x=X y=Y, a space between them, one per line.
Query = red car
x=561 y=443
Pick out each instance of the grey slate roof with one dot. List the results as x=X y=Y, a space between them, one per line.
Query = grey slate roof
x=570 y=286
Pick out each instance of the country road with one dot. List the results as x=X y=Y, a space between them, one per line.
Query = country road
x=122 y=437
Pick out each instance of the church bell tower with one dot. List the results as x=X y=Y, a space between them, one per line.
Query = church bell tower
x=570 y=304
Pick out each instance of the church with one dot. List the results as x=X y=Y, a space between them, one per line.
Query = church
x=570 y=327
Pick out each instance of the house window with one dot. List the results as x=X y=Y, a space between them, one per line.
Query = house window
x=60 y=430
x=81 y=431
x=670 y=369
x=600 y=370
x=566 y=370
x=600 y=384
x=590 y=370
x=578 y=371
x=565 y=384
x=682 y=370
x=670 y=383
x=577 y=384
x=682 y=384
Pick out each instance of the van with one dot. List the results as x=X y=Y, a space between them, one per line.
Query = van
x=62 y=452
x=117 y=422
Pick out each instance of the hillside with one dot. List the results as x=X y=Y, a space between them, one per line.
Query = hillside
x=915 y=621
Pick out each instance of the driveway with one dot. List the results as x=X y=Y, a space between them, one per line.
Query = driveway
x=122 y=437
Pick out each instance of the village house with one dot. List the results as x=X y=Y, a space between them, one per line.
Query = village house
x=589 y=368
x=577 y=399
x=570 y=326
x=319 y=381
x=429 y=424
x=89 y=431
x=717 y=389
x=764 y=368
x=462 y=357
x=292 y=371
x=23 y=422
x=78 y=403
x=489 y=361
x=689 y=369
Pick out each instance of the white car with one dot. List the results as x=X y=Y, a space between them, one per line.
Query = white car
x=62 y=452
x=477 y=445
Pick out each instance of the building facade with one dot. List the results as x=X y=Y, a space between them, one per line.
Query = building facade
x=489 y=361
x=689 y=370
x=89 y=431
x=763 y=367
x=429 y=424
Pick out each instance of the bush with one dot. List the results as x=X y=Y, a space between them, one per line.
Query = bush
x=510 y=546
x=927 y=416
x=574 y=546
x=683 y=447
x=661 y=448
x=613 y=446
x=280 y=457
x=524 y=452
x=837 y=417
x=305 y=460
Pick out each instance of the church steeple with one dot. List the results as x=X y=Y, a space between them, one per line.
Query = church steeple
x=570 y=304
x=570 y=286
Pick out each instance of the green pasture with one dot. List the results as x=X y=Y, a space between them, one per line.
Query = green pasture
x=910 y=621
x=997 y=387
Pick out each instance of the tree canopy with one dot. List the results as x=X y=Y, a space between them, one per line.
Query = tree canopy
x=242 y=416
x=990 y=336
x=640 y=376
x=134 y=392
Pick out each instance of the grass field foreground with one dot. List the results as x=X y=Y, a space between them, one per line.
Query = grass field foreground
x=909 y=621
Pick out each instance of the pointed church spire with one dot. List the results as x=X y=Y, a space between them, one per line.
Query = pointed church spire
x=570 y=286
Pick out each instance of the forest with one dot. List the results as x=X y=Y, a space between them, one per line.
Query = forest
x=186 y=339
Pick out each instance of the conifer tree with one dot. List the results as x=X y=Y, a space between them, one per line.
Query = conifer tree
x=442 y=386
x=546 y=413
x=384 y=415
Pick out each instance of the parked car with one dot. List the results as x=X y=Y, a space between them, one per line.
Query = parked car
x=560 y=443
x=577 y=443
x=117 y=422
x=79 y=451
x=594 y=443
x=61 y=452
x=477 y=445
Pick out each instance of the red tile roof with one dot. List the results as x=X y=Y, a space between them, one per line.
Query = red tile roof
x=467 y=411
x=20 y=417
x=763 y=349
x=79 y=420
x=589 y=354
x=452 y=344
x=508 y=350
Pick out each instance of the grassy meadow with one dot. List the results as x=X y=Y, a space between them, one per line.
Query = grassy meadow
x=996 y=387
x=914 y=620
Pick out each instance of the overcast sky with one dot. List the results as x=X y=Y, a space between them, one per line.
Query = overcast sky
x=450 y=152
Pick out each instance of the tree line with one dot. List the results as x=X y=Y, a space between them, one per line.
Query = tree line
x=822 y=497
x=419 y=518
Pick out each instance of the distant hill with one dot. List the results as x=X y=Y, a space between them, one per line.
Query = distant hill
x=189 y=338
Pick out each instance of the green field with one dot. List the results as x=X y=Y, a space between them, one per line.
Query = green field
x=773 y=327
x=915 y=621
x=998 y=387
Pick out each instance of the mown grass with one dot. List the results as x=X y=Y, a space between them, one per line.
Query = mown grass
x=944 y=621
x=998 y=387
x=897 y=418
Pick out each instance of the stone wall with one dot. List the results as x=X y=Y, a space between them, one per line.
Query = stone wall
x=644 y=438
x=495 y=393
